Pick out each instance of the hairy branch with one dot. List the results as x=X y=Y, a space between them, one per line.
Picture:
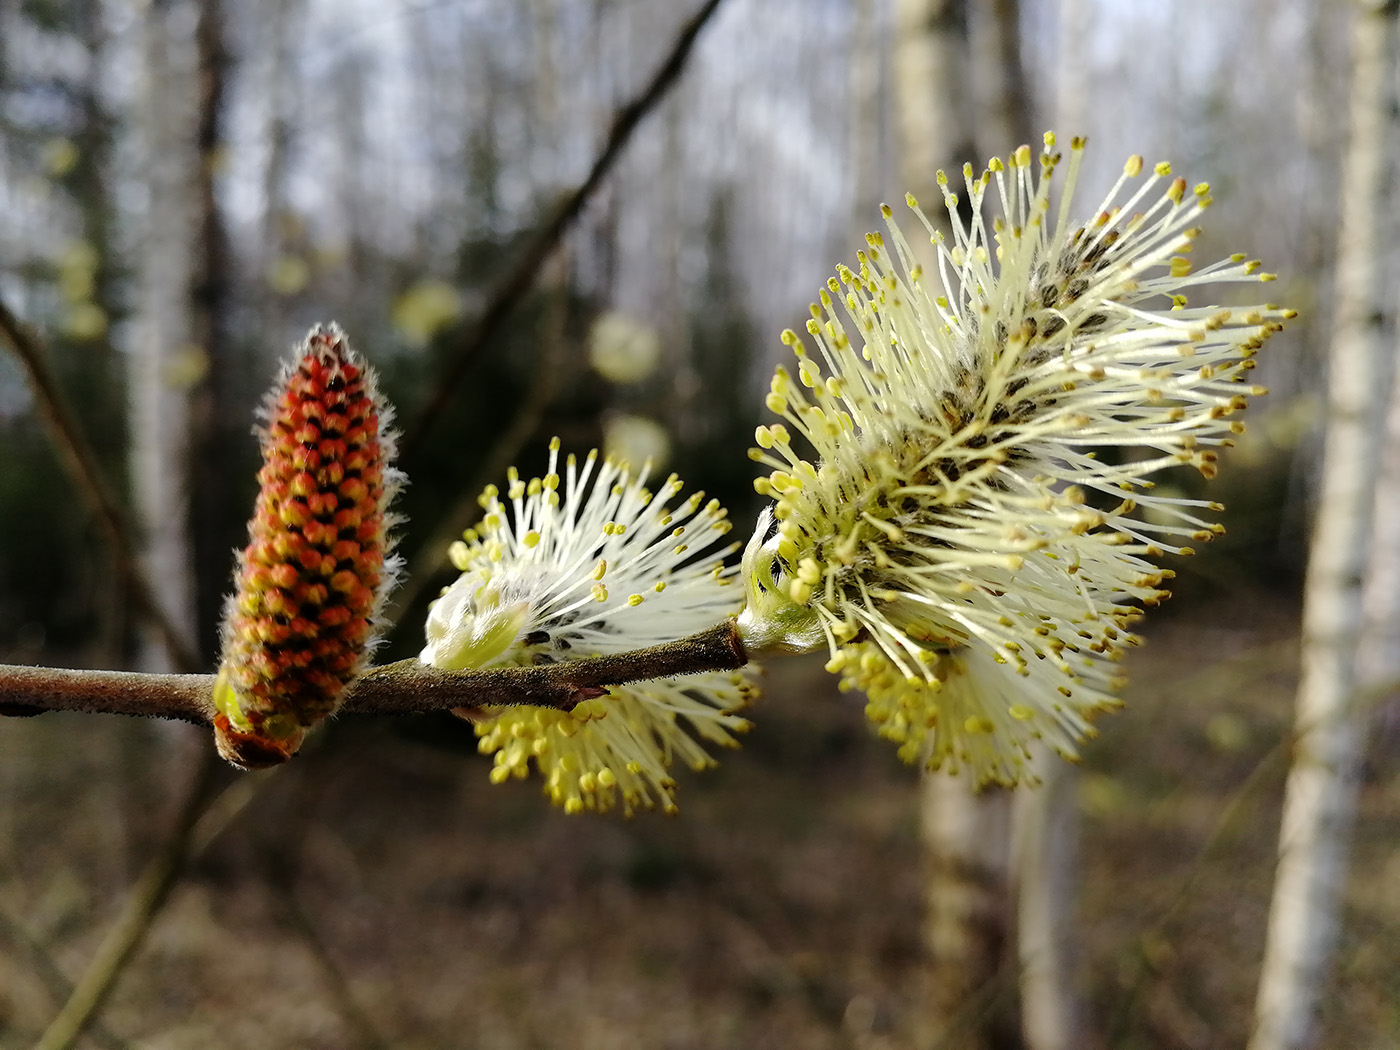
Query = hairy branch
x=82 y=465
x=521 y=276
x=403 y=688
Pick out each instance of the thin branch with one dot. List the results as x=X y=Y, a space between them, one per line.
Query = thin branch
x=58 y=985
x=551 y=367
x=518 y=280
x=285 y=868
x=142 y=903
x=87 y=475
x=406 y=687
x=201 y=820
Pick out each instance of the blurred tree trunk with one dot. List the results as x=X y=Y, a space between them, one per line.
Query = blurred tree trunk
x=1072 y=70
x=933 y=96
x=864 y=109
x=164 y=362
x=1045 y=857
x=967 y=895
x=1002 y=110
x=209 y=303
x=278 y=276
x=1045 y=821
x=1320 y=798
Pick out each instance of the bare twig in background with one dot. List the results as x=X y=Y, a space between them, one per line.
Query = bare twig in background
x=1233 y=675
x=521 y=276
x=87 y=475
x=285 y=859
x=128 y=931
x=354 y=1016
x=547 y=377
x=58 y=985
x=200 y=821
x=403 y=688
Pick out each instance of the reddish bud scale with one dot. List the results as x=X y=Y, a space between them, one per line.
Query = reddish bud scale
x=309 y=585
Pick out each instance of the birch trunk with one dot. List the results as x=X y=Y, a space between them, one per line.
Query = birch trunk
x=1045 y=820
x=1003 y=110
x=1045 y=860
x=1320 y=797
x=967 y=895
x=162 y=335
x=933 y=100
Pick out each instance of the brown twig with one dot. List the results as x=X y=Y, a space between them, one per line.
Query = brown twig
x=521 y=276
x=52 y=977
x=201 y=820
x=406 y=687
x=285 y=867
x=551 y=367
x=87 y=475
x=129 y=930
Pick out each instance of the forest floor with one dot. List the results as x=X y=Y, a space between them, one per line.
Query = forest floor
x=379 y=892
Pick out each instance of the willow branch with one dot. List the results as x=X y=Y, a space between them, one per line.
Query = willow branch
x=403 y=688
x=519 y=278
x=87 y=475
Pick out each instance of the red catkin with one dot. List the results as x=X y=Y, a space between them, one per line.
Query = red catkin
x=309 y=585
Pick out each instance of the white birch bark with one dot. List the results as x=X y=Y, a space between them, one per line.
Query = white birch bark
x=1045 y=820
x=1320 y=798
x=1073 y=68
x=162 y=335
x=967 y=895
x=1378 y=658
x=967 y=902
x=1045 y=862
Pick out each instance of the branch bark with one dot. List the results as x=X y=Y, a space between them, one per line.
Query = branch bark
x=403 y=688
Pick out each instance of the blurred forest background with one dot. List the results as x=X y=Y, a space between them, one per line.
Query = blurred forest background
x=187 y=185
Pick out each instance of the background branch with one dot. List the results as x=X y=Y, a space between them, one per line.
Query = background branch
x=87 y=476
x=425 y=564
x=203 y=816
x=140 y=907
x=48 y=972
x=521 y=276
